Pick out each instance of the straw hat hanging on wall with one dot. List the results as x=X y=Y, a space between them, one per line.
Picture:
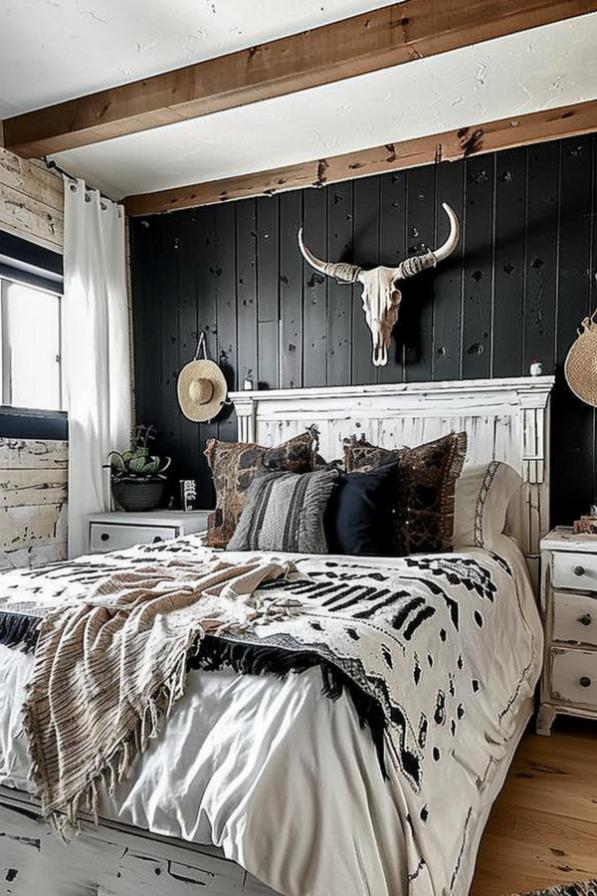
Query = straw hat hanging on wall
x=581 y=363
x=201 y=387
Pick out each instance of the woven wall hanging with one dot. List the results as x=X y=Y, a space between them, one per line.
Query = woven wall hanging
x=581 y=363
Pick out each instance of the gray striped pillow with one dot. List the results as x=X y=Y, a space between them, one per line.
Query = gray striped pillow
x=284 y=512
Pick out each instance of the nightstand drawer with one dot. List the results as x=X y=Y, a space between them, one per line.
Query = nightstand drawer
x=110 y=537
x=577 y=571
x=575 y=618
x=574 y=676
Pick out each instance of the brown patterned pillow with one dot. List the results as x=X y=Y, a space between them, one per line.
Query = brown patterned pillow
x=425 y=500
x=234 y=466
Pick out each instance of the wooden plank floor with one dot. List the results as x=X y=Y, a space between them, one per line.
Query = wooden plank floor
x=543 y=828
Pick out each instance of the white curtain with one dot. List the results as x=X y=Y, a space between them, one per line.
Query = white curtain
x=96 y=351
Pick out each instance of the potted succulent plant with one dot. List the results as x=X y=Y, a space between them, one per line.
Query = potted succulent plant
x=137 y=476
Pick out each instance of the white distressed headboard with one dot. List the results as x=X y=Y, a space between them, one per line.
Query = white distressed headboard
x=505 y=419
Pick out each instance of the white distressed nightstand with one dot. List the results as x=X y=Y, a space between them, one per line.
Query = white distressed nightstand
x=569 y=609
x=119 y=530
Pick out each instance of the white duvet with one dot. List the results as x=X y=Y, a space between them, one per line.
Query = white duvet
x=289 y=786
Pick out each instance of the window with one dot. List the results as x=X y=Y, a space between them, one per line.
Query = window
x=30 y=345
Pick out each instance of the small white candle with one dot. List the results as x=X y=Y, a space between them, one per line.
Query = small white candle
x=536 y=368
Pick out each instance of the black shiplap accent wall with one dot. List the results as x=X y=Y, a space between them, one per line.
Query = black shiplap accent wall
x=517 y=290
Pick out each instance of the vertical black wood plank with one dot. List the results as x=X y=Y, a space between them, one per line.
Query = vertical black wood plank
x=291 y=300
x=393 y=248
x=509 y=262
x=268 y=335
x=144 y=307
x=340 y=298
x=225 y=232
x=268 y=279
x=478 y=267
x=573 y=448
x=149 y=412
x=209 y=272
x=365 y=252
x=225 y=223
x=417 y=303
x=314 y=291
x=448 y=278
x=267 y=257
x=246 y=289
x=189 y=466
x=166 y=411
x=541 y=255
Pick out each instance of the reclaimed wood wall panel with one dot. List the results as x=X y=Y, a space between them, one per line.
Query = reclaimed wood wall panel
x=33 y=473
x=515 y=291
x=33 y=492
x=30 y=454
x=31 y=201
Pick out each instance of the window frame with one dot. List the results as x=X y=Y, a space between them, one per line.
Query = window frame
x=6 y=383
x=25 y=423
x=31 y=265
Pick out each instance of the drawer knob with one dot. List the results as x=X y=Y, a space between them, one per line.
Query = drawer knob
x=586 y=619
x=579 y=570
x=585 y=682
x=104 y=536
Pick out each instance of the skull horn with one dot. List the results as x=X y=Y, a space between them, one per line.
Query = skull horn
x=453 y=238
x=417 y=263
x=346 y=273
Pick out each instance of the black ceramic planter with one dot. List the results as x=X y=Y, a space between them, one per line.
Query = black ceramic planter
x=138 y=494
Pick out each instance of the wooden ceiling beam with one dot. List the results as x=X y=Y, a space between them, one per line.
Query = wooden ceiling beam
x=395 y=34
x=536 y=127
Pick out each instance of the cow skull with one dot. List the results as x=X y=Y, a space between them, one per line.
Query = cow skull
x=381 y=295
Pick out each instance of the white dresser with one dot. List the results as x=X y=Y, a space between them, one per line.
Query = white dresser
x=119 y=530
x=569 y=609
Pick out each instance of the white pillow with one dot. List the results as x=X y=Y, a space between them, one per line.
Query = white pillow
x=481 y=499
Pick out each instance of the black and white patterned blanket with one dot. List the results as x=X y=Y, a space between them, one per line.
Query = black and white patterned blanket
x=413 y=641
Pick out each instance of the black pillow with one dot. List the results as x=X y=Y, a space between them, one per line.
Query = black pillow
x=359 y=518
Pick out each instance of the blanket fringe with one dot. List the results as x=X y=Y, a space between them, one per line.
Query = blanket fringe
x=111 y=771
x=210 y=653
x=265 y=659
x=19 y=632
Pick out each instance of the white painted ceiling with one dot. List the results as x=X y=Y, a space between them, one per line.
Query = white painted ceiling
x=54 y=50
x=82 y=46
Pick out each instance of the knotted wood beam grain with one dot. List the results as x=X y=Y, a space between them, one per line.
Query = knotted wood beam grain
x=536 y=127
x=393 y=35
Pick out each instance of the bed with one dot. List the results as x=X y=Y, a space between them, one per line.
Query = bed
x=296 y=800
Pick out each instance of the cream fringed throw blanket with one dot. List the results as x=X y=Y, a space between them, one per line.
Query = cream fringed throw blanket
x=108 y=669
